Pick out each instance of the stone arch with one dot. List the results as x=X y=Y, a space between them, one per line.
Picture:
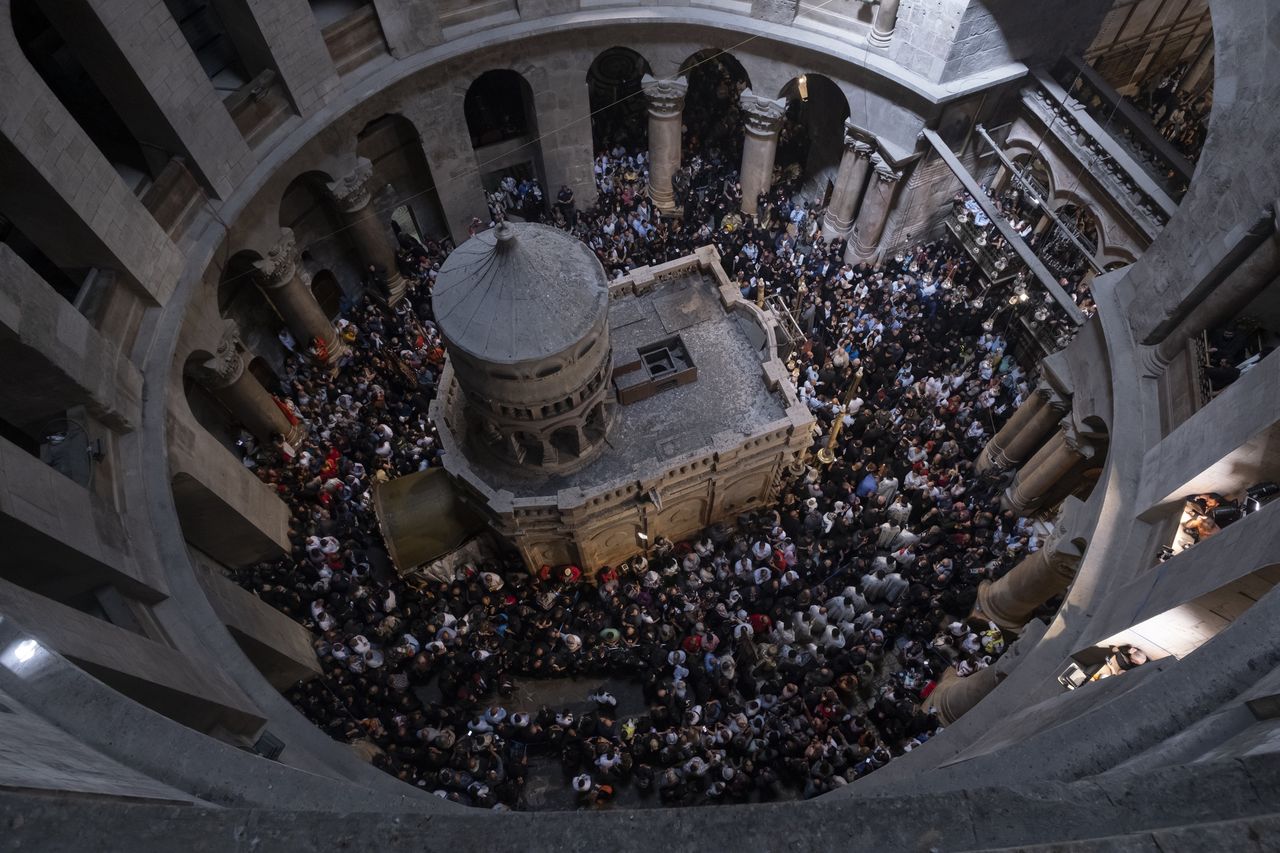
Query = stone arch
x=1024 y=155
x=1117 y=257
x=305 y=208
x=565 y=441
x=404 y=189
x=499 y=107
x=811 y=142
x=205 y=408
x=711 y=112
x=240 y=298
x=1079 y=215
x=503 y=124
x=327 y=291
x=618 y=110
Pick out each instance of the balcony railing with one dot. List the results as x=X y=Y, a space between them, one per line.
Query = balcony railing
x=1127 y=125
x=1137 y=193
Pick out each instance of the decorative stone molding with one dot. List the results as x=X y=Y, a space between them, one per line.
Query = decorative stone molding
x=1062 y=120
x=862 y=150
x=763 y=116
x=281 y=263
x=884 y=171
x=665 y=97
x=353 y=191
x=226 y=365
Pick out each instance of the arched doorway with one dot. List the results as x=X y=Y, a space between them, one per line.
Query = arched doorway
x=619 y=115
x=323 y=240
x=241 y=299
x=207 y=410
x=810 y=143
x=327 y=291
x=404 y=188
x=1082 y=222
x=1034 y=173
x=712 y=116
x=504 y=132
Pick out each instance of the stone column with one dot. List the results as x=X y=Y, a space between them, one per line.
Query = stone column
x=763 y=119
x=351 y=195
x=666 y=109
x=886 y=23
x=854 y=166
x=1023 y=432
x=1010 y=601
x=225 y=377
x=874 y=213
x=287 y=285
x=954 y=696
x=1055 y=460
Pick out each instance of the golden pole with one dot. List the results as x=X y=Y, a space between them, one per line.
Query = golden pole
x=760 y=293
x=827 y=455
x=853 y=389
x=800 y=294
x=800 y=465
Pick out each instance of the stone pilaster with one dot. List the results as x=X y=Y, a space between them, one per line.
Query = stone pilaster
x=666 y=109
x=225 y=377
x=763 y=119
x=874 y=213
x=286 y=285
x=351 y=195
x=852 y=177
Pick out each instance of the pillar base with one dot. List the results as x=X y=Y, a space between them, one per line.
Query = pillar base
x=881 y=40
x=663 y=202
x=855 y=254
x=296 y=433
x=834 y=229
x=396 y=289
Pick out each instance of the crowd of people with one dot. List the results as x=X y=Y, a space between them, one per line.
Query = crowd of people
x=784 y=653
x=1181 y=117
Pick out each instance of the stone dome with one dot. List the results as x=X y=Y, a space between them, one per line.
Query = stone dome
x=520 y=292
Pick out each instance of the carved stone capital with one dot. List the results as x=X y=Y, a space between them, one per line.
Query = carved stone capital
x=763 y=116
x=1059 y=403
x=1078 y=443
x=353 y=191
x=855 y=139
x=281 y=262
x=226 y=365
x=884 y=171
x=665 y=97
